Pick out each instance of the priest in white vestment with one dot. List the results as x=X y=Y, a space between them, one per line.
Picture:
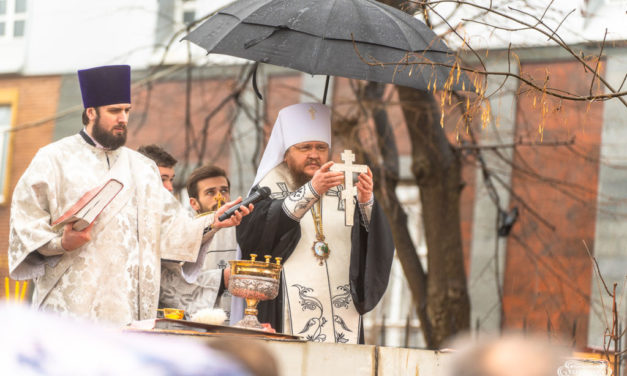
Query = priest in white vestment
x=332 y=273
x=109 y=271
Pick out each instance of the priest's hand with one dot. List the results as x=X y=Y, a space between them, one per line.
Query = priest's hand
x=73 y=239
x=323 y=179
x=233 y=220
x=365 y=186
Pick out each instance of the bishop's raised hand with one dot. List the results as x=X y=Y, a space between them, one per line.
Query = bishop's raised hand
x=323 y=179
x=365 y=186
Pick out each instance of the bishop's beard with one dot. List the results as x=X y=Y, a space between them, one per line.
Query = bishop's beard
x=299 y=176
x=107 y=138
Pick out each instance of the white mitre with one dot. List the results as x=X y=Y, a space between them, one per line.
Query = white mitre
x=302 y=122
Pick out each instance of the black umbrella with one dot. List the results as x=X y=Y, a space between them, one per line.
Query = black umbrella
x=323 y=37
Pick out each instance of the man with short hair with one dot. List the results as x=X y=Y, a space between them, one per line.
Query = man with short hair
x=332 y=273
x=165 y=163
x=110 y=271
x=208 y=188
x=195 y=286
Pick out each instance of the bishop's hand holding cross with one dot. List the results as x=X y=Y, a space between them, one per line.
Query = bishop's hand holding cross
x=363 y=188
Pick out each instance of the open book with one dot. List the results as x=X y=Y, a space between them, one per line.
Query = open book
x=88 y=207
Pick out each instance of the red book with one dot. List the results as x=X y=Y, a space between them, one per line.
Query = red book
x=87 y=208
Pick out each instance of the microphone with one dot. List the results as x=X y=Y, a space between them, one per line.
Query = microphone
x=257 y=196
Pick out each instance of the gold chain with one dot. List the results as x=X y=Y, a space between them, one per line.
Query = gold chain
x=320 y=248
x=317 y=217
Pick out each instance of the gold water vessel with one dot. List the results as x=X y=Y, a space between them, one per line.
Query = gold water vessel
x=254 y=281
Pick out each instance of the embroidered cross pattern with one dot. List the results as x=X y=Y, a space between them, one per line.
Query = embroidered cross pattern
x=312 y=111
x=349 y=189
x=284 y=191
x=337 y=192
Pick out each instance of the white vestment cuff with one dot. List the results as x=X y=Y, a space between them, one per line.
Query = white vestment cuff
x=52 y=248
x=191 y=270
x=297 y=203
x=366 y=211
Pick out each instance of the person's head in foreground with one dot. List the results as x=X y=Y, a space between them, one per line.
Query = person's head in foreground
x=512 y=354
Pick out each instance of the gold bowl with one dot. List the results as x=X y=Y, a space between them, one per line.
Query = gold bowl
x=254 y=281
x=172 y=313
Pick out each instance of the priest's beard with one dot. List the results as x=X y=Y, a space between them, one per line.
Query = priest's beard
x=107 y=138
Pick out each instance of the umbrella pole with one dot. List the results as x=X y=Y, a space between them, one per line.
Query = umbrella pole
x=326 y=88
x=255 y=88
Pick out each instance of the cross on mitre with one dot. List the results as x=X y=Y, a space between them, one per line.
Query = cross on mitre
x=312 y=111
x=349 y=190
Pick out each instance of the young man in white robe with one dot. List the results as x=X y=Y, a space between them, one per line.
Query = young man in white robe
x=332 y=273
x=110 y=271
x=194 y=287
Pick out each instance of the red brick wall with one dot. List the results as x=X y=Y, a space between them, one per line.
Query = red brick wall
x=37 y=99
x=283 y=90
x=159 y=113
x=467 y=207
x=547 y=272
x=159 y=116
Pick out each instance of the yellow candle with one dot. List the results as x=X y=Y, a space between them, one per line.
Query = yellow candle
x=6 y=288
x=17 y=290
x=24 y=288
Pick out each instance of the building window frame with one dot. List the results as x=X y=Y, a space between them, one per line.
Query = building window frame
x=11 y=17
x=8 y=98
x=184 y=9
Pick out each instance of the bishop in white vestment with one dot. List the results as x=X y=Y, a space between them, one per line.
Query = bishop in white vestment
x=332 y=273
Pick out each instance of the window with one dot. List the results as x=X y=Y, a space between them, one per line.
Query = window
x=8 y=105
x=189 y=17
x=12 y=18
x=188 y=11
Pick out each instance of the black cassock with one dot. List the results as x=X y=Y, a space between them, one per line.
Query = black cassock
x=269 y=231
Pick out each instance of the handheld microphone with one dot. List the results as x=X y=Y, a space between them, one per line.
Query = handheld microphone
x=257 y=196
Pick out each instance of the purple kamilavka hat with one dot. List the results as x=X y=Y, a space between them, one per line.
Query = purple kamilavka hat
x=105 y=85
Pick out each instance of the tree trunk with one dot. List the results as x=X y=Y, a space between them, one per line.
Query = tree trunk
x=437 y=169
x=387 y=172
